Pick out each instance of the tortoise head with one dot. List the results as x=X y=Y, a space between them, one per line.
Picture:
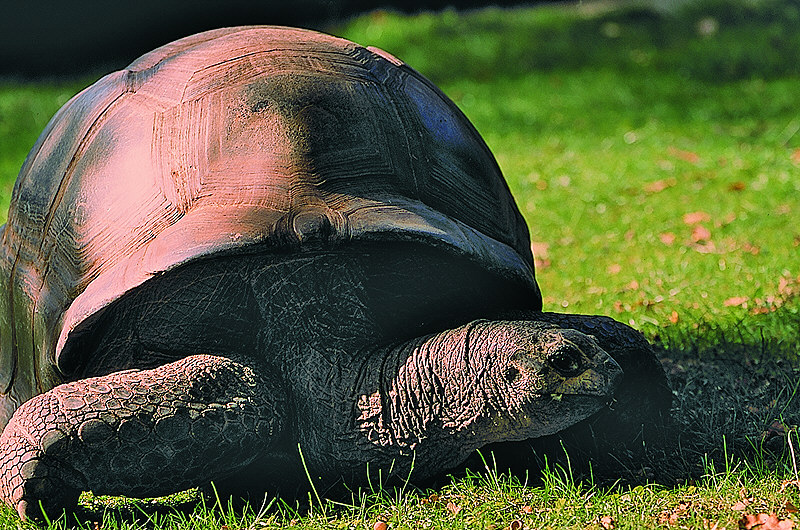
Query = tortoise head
x=539 y=379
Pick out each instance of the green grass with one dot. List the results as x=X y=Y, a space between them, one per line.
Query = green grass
x=656 y=158
x=722 y=495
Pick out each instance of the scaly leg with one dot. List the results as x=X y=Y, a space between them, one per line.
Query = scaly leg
x=137 y=433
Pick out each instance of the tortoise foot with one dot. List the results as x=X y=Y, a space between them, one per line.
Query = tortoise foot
x=30 y=481
x=137 y=433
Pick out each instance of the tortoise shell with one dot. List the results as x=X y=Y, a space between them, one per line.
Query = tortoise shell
x=231 y=138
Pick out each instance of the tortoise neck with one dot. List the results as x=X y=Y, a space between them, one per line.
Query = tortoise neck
x=429 y=388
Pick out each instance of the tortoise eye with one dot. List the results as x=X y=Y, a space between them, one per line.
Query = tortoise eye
x=566 y=361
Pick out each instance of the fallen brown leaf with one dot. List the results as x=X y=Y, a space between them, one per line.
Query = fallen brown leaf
x=671 y=517
x=739 y=506
x=453 y=508
x=667 y=238
x=751 y=248
x=688 y=156
x=735 y=301
x=695 y=218
x=786 y=483
x=789 y=287
x=527 y=509
x=789 y=507
x=700 y=233
x=540 y=251
x=737 y=186
x=607 y=522
x=765 y=521
x=705 y=247
x=540 y=247
x=516 y=524
x=659 y=185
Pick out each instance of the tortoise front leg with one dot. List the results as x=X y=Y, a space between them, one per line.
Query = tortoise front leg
x=137 y=433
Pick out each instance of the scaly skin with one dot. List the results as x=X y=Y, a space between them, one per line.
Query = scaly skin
x=143 y=433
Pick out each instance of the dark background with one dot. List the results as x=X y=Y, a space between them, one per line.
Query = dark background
x=51 y=38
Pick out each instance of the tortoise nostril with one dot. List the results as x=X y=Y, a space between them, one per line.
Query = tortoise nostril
x=511 y=374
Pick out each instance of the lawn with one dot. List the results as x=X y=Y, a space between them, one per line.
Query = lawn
x=656 y=158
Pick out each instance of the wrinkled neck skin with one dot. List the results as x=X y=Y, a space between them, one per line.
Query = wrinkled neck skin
x=428 y=389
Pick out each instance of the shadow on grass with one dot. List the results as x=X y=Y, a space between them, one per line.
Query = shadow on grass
x=736 y=397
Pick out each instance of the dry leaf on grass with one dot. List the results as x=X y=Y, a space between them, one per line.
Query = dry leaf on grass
x=540 y=248
x=453 y=508
x=688 y=156
x=735 y=301
x=667 y=238
x=694 y=218
x=700 y=233
x=751 y=248
x=607 y=522
x=764 y=521
x=737 y=186
x=671 y=517
x=786 y=483
x=540 y=259
x=659 y=185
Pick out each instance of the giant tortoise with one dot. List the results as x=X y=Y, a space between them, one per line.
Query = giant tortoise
x=261 y=248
